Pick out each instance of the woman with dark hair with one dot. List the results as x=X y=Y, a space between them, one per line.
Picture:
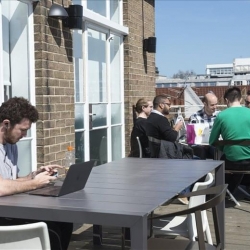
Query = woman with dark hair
x=141 y=111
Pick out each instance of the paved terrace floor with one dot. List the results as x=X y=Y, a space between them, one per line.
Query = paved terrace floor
x=237 y=226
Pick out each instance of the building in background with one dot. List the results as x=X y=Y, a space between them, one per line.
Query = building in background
x=83 y=81
x=237 y=73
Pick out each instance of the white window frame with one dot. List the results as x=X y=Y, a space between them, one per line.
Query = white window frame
x=103 y=24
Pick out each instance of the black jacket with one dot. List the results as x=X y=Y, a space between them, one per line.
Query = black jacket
x=175 y=150
x=158 y=127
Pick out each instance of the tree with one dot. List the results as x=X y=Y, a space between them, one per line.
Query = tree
x=184 y=74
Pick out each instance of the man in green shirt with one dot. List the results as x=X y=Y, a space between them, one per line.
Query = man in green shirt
x=233 y=123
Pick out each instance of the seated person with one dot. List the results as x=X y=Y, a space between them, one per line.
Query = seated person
x=16 y=118
x=143 y=108
x=158 y=126
x=207 y=115
x=229 y=124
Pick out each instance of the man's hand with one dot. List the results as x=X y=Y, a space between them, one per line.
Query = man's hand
x=43 y=179
x=51 y=169
x=178 y=126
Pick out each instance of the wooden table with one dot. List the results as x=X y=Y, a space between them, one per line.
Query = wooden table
x=120 y=193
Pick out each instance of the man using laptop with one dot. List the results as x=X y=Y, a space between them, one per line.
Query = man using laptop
x=16 y=117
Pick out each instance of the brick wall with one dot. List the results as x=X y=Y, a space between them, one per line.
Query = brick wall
x=139 y=66
x=54 y=80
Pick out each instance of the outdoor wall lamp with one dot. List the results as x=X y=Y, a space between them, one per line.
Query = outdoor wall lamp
x=57 y=11
x=74 y=19
x=149 y=44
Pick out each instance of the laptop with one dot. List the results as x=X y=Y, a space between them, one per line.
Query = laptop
x=75 y=180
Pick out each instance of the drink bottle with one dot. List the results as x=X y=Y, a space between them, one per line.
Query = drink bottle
x=69 y=158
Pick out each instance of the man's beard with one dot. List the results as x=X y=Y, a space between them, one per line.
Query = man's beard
x=8 y=138
x=165 y=112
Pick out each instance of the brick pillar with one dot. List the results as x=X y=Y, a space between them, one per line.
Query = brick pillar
x=139 y=66
x=54 y=80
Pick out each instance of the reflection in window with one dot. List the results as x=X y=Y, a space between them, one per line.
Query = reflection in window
x=98 y=115
x=15 y=49
x=98 y=146
x=79 y=144
x=115 y=69
x=115 y=113
x=114 y=11
x=25 y=163
x=79 y=116
x=97 y=66
x=116 y=143
x=98 y=6
x=78 y=65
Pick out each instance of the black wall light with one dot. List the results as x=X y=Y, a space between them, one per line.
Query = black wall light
x=57 y=11
x=149 y=44
x=74 y=19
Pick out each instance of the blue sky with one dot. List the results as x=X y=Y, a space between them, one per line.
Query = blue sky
x=192 y=34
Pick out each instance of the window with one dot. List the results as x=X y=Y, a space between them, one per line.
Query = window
x=237 y=83
x=17 y=79
x=107 y=8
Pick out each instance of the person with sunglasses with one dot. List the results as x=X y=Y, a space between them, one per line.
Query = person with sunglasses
x=247 y=100
x=159 y=132
x=158 y=126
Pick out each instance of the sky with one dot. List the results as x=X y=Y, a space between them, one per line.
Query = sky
x=192 y=34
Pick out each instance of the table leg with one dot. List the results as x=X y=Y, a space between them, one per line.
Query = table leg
x=97 y=235
x=139 y=234
x=220 y=180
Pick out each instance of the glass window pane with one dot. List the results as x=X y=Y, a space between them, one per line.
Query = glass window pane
x=98 y=115
x=15 y=48
x=115 y=69
x=6 y=49
x=97 y=66
x=114 y=11
x=98 y=146
x=79 y=116
x=115 y=113
x=79 y=144
x=78 y=65
x=24 y=157
x=98 y=6
x=19 y=50
x=116 y=143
